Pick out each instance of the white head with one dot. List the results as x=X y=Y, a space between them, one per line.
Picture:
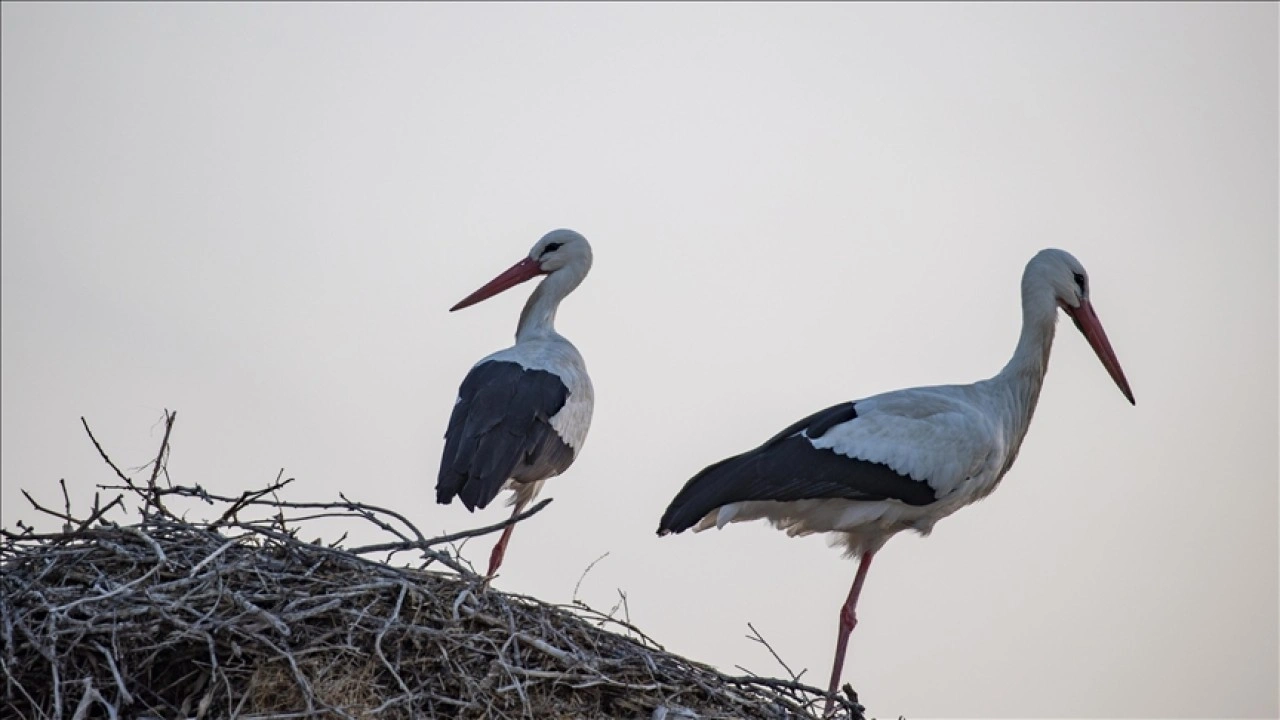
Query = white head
x=559 y=251
x=1062 y=273
x=1059 y=273
x=562 y=248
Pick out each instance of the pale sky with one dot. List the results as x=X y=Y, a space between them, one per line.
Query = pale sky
x=258 y=215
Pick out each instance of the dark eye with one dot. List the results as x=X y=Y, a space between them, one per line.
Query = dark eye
x=552 y=247
x=1080 y=283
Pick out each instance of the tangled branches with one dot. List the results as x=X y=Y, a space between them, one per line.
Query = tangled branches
x=237 y=617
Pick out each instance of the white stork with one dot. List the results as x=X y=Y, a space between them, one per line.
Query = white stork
x=902 y=460
x=522 y=413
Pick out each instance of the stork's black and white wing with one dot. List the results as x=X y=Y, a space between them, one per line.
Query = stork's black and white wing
x=502 y=429
x=845 y=453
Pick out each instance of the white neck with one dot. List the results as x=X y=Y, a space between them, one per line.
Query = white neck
x=1018 y=385
x=538 y=319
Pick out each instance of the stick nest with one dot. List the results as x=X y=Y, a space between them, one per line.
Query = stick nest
x=237 y=617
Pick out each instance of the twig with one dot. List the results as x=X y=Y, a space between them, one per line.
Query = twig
x=421 y=545
x=103 y=453
x=66 y=518
x=125 y=696
x=159 y=463
x=66 y=502
x=377 y=642
x=626 y=608
x=248 y=498
x=755 y=635
x=584 y=575
x=368 y=511
x=99 y=512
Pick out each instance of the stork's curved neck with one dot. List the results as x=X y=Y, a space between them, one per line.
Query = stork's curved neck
x=1023 y=376
x=538 y=319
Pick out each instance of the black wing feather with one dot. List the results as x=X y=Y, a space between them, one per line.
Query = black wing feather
x=788 y=467
x=500 y=429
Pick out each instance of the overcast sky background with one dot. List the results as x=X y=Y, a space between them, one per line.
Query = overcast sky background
x=258 y=215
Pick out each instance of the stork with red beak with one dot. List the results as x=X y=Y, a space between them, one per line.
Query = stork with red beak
x=903 y=460
x=522 y=413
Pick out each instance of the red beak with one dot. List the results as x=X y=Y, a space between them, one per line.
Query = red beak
x=1090 y=326
x=518 y=273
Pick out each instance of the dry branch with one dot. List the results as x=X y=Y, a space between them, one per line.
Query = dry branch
x=238 y=618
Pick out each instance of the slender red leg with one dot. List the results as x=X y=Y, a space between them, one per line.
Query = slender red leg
x=495 y=557
x=848 y=619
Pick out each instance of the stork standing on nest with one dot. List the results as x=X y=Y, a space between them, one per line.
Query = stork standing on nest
x=902 y=460
x=522 y=413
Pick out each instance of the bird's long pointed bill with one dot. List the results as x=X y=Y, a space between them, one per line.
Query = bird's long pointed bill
x=1090 y=326
x=516 y=274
